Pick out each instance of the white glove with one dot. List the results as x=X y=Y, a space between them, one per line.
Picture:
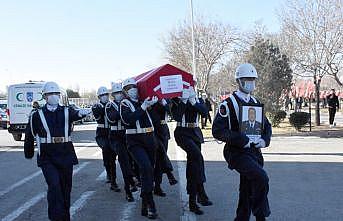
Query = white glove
x=185 y=95
x=192 y=92
x=192 y=100
x=164 y=102
x=146 y=104
x=154 y=100
x=84 y=112
x=260 y=143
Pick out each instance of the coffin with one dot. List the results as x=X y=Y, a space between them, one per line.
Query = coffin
x=166 y=81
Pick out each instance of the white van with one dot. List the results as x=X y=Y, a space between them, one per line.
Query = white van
x=20 y=99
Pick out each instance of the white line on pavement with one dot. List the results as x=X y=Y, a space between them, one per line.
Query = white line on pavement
x=102 y=176
x=19 y=183
x=35 y=199
x=78 y=204
x=24 y=207
x=96 y=154
x=129 y=207
x=186 y=215
x=82 y=165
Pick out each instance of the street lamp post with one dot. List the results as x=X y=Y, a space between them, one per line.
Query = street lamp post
x=193 y=40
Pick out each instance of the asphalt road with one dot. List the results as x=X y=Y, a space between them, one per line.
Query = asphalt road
x=306 y=183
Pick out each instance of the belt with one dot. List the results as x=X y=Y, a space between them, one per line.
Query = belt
x=116 y=128
x=140 y=130
x=188 y=125
x=55 y=140
x=163 y=122
x=101 y=126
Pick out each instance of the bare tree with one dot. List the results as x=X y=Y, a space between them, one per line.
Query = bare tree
x=214 y=41
x=314 y=31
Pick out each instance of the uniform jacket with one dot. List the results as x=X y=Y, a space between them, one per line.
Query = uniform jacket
x=61 y=154
x=233 y=138
x=112 y=113
x=160 y=113
x=191 y=115
x=98 y=110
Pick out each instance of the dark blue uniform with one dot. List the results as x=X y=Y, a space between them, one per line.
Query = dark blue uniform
x=56 y=155
x=162 y=135
x=248 y=162
x=141 y=144
x=102 y=139
x=118 y=142
x=189 y=137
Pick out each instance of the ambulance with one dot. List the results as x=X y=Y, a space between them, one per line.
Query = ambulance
x=20 y=100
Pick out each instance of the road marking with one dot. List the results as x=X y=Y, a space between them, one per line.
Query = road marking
x=78 y=204
x=129 y=207
x=20 y=182
x=24 y=207
x=102 y=176
x=186 y=215
x=16 y=213
x=97 y=153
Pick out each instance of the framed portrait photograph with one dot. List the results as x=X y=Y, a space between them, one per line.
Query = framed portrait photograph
x=250 y=121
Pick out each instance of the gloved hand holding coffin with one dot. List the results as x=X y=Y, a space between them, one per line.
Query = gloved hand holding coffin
x=84 y=112
x=149 y=102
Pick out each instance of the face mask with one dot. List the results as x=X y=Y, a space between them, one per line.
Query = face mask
x=104 y=99
x=118 y=97
x=248 y=86
x=133 y=93
x=53 y=100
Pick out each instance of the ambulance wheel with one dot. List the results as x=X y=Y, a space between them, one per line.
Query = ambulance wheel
x=17 y=137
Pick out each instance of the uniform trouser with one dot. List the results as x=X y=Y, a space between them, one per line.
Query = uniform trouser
x=59 y=182
x=253 y=188
x=108 y=157
x=144 y=156
x=332 y=113
x=163 y=164
x=124 y=161
x=195 y=169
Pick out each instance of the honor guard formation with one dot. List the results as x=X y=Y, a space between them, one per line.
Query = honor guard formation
x=134 y=131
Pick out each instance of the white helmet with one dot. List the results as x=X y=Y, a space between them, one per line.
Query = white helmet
x=50 y=87
x=246 y=71
x=116 y=87
x=129 y=81
x=102 y=91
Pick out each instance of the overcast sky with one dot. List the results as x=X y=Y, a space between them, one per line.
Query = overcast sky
x=91 y=43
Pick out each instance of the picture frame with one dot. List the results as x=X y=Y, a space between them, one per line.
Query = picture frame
x=251 y=121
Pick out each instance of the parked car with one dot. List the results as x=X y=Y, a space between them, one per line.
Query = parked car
x=3 y=119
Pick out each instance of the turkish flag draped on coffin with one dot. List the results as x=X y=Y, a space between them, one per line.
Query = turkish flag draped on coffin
x=165 y=81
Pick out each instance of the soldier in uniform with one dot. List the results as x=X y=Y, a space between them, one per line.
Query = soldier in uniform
x=188 y=136
x=102 y=137
x=117 y=139
x=160 y=112
x=140 y=141
x=51 y=126
x=243 y=155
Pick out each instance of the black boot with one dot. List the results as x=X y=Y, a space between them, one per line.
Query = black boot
x=202 y=196
x=193 y=207
x=152 y=214
x=115 y=187
x=171 y=178
x=133 y=185
x=128 y=192
x=158 y=191
x=129 y=197
x=260 y=218
x=144 y=209
x=108 y=178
